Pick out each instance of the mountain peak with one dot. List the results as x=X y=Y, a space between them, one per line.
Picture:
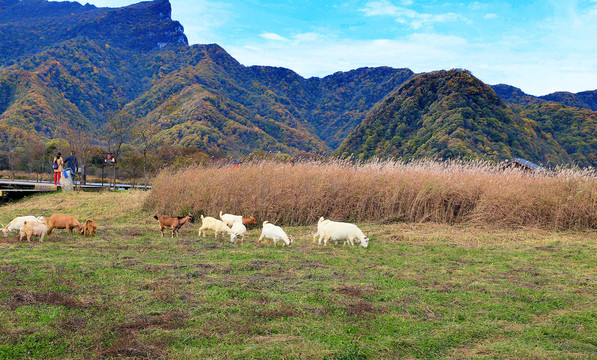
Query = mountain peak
x=443 y=114
x=30 y=26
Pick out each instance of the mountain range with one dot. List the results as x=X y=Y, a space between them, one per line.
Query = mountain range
x=63 y=64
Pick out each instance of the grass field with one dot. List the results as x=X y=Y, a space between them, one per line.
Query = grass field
x=421 y=290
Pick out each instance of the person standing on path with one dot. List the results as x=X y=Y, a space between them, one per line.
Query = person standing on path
x=58 y=166
x=72 y=163
x=71 y=167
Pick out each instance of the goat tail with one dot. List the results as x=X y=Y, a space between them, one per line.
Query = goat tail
x=220 y=214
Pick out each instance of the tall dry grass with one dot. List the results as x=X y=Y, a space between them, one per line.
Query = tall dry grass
x=383 y=191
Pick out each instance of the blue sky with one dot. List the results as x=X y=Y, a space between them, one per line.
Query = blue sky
x=538 y=46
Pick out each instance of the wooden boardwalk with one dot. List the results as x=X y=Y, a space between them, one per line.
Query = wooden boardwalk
x=21 y=188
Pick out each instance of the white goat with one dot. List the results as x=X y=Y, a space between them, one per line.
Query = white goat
x=320 y=224
x=210 y=223
x=17 y=223
x=230 y=219
x=271 y=231
x=238 y=229
x=34 y=228
x=348 y=232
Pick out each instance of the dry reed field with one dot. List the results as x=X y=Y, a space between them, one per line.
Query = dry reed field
x=383 y=191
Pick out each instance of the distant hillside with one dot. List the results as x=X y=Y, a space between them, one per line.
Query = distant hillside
x=513 y=95
x=585 y=99
x=448 y=114
x=574 y=129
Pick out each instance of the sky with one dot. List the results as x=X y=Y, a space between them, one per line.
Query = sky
x=538 y=46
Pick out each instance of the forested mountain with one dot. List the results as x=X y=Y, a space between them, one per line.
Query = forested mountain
x=584 y=99
x=64 y=65
x=94 y=63
x=448 y=114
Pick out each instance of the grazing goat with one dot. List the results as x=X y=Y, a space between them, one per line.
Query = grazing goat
x=320 y=224
x=175 y=223
x=89 y=227
x=238 y=229
x=210 y=223
x=348 y=232
x=230 y=219
x=271 y=231
x=17 y=224
x=61 y=221
x=34 y=228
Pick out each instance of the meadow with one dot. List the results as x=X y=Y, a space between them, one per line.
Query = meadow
x=421 y=290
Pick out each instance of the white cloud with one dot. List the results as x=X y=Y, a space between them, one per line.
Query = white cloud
x=273 y=36
x=308 y=37
x=407 y=16
x=422 y=52
x=478 y=6
x=490 y=16
x=318 y=58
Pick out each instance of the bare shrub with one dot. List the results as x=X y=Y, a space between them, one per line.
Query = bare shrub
x=383 y=191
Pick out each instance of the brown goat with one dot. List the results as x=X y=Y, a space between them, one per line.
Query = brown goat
x=174 y=223
x=61 y=221
x=249 y=221
x=89 y=227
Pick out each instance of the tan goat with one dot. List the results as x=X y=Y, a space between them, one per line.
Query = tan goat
x=61 y=221
x=34 y=228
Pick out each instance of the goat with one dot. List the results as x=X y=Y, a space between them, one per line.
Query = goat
x=230 y=219
x=18 y=223
x=175 y=223
x=320 y=224
x=210 y=223
x=348 y=232
x=61 y=221
x=89 y=227
x=34 y=228
x=238 y=229
x=271 y=231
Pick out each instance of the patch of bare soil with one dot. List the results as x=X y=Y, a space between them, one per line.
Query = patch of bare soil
x=129 y=346
x=351 y=291
x=26 y=297
x=363 y=309
x=274 y=313
x=169 y=321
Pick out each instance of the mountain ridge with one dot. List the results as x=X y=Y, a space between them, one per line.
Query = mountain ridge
x=97 y=63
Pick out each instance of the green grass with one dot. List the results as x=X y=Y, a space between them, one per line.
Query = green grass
x=418 y=291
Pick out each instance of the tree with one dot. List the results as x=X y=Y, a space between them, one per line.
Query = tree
x=132 y=161
x=34 y=158
x=145 y=132
x=116 y=132
x=12 y=144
